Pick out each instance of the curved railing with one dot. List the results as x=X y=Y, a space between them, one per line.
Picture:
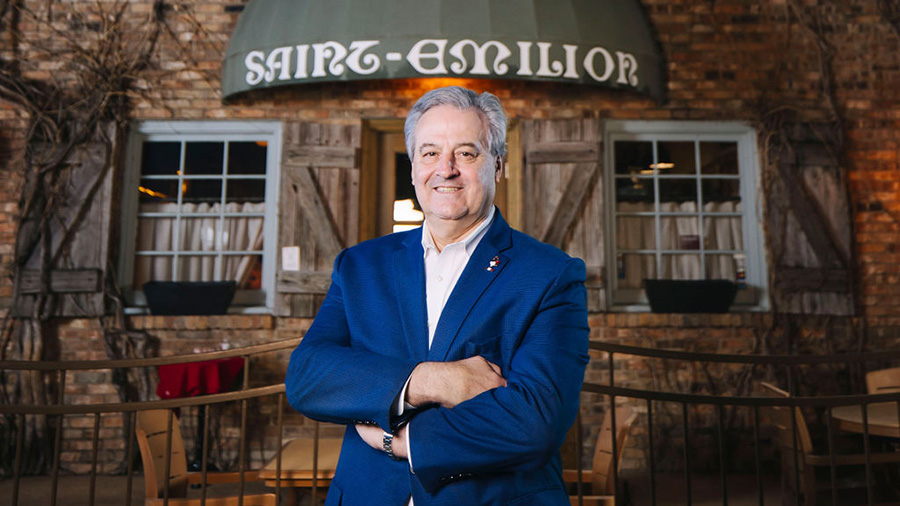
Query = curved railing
x=616 y=394
x=61 y=409
x=753 y=403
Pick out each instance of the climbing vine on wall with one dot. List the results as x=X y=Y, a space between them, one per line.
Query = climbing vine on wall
x=95 y=58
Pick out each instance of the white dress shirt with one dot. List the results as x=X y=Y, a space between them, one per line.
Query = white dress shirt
x=442 y=271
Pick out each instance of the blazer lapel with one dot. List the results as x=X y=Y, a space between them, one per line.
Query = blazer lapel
x=409 y=288
x=485 y=264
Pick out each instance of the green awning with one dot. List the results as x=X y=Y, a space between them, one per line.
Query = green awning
x=593 y=42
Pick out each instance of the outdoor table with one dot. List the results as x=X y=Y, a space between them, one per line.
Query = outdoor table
x=883 y=419
x=297 y=465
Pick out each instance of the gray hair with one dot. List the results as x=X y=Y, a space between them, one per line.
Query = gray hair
x=461 y=98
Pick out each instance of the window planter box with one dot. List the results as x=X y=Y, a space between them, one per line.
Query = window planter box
x=690 y=295
x=189 y=297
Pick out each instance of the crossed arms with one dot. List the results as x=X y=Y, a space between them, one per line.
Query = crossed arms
x=486 y=420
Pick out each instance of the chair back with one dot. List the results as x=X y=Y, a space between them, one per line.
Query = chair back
x=603 y=482
x=155 y=444
x=792 y=431
x=883 y=381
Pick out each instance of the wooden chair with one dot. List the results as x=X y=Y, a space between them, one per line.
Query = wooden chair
x=601 y=478
x=801 y=465
x=151 y=432
x=883 y=381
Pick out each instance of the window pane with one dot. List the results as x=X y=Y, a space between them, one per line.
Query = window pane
x=720 y=267
x=632 y=157
x=723 y=233
x=160 y=158
x=202 y=190
x=632 y=269
x=155 y=234
x=247 y=271
x=203 y=158
x=247 y=157
x=718 y=158
x=152 y=268
x=199 y=234
x=635 y=233
x=245 y=190
x=680 y=233
x=721 y=189
x=676 y=158
x=243 y=234
x=158 y=190
x=634 y=189
x=681 y=267
x=677 y=189
x=198 y=268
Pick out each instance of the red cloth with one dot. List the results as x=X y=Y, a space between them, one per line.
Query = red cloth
x=198 y=378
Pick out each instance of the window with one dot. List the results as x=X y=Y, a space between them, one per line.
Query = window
x=199 y=204
x=682 y=205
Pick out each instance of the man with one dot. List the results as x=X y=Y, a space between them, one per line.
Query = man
x=455 y=352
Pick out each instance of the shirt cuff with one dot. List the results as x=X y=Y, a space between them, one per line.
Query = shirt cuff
x=408 y=449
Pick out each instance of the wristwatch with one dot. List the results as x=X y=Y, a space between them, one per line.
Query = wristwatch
x=387 y=440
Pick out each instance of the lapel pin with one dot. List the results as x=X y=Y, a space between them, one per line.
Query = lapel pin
x=494 y=263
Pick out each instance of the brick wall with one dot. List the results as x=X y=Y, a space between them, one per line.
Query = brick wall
x=725 y=60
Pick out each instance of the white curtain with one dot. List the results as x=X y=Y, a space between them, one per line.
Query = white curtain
x=197 y=234
x=721 y=232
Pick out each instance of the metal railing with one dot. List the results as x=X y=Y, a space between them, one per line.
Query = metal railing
x=61 y=409
x=615 y=394
x=688 y=401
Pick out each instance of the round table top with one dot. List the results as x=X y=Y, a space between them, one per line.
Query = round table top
x=883 y=419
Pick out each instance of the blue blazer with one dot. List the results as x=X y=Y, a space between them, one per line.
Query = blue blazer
x=527 y=314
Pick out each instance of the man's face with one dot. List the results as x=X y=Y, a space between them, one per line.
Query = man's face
x=452 y=169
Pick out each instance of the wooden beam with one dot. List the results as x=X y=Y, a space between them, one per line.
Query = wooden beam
x=322 y=156
x=563 y=152
x=804 y=279
x=303 y=282
x=62 y=281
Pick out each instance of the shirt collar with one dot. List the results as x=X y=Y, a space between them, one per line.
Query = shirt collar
x=470 y=241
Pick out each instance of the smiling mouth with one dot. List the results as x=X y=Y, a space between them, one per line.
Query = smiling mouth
x=447 y=189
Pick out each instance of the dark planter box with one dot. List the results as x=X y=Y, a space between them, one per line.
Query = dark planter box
x=690 y=295
x=189 y=297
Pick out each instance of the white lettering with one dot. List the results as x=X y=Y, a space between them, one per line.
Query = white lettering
x=627 y=61
x=479 y=67
x=524 y=59
x=372 y=61
x=546 y=68
x=607 y=60
x=429 y=57
x=571 y=71
x=415 y=55
x=279 y=60
x=302 y=55
x=255 y=68
x=328 y=50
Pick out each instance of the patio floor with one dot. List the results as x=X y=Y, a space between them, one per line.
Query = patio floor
x=111 y=491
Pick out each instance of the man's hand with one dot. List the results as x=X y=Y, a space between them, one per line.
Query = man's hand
x=372 y=435
x=450 y=383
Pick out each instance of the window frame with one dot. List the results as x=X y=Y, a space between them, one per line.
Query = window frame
x=202 y=131
x=750 y=191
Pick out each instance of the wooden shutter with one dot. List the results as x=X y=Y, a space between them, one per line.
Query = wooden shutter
x=319 y=209
x=562 y=193
x=809 y=224
x=79 y=232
